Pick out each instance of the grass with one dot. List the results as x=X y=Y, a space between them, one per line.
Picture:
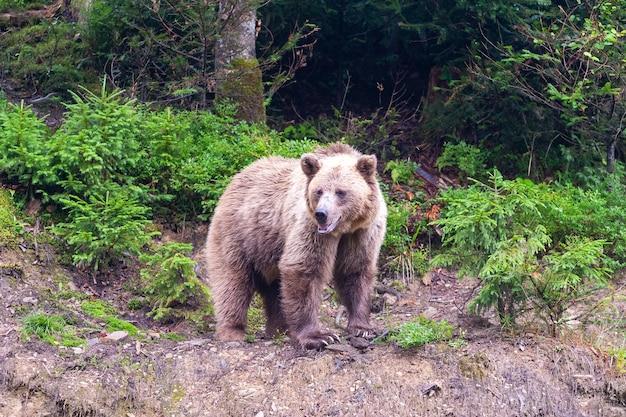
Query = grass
x=52 y=329
x=420 y=332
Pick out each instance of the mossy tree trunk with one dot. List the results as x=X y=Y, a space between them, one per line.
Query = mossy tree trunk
x=238 y=74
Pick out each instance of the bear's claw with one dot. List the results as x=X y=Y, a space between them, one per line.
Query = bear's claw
x=318 y=341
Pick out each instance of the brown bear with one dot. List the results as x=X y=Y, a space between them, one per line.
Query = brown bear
x=286 y=228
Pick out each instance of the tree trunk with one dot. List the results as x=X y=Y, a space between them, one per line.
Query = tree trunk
x=238 y=74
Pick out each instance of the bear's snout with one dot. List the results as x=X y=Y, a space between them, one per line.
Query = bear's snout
x=321 y=215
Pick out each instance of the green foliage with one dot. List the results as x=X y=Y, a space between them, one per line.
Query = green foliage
x=97 y=144
x=402 y=171
x=469 y=159
x=104 y=229
x=171 y=285
x=521 y=240
x=403 y=229
x=9 y=227
x=421 y=331
x=223 y=147
x=24 y=156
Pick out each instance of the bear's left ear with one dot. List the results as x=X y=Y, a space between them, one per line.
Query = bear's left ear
x=310 y=164
x=366 y=165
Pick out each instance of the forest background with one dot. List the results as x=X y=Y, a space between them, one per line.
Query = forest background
x=499 y=127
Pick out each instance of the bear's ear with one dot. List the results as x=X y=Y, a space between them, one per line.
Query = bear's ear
x=310 y=164
x=366 y=165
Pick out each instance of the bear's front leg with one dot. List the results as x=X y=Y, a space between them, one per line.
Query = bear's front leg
x=301 y=297
x=354 y=276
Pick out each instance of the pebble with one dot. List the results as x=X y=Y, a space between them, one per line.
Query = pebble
x=30 y=300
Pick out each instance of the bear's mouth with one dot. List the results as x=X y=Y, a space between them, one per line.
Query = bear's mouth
x=328 y=228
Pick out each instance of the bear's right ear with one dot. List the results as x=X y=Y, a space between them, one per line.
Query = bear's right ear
x=310 y=164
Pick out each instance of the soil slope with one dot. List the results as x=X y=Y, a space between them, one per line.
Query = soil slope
x=493 y=374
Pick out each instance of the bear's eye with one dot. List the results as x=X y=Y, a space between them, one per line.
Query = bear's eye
x=319 y=193
x=340 y=193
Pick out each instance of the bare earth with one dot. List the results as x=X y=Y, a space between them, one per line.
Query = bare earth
x=494 y=374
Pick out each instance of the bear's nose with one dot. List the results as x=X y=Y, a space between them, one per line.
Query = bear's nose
x=321 y=215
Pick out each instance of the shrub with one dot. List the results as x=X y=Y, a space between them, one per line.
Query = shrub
x=24 y=151
x=101 y=230
x=97 y=143
x=171 y=285
x=9 y=227
x=470 y=160
x=516 y=237
x=402 y=171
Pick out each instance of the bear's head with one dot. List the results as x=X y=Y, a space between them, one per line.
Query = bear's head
x=342 y=193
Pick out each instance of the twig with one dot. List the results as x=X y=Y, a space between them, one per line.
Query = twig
x=35 y=232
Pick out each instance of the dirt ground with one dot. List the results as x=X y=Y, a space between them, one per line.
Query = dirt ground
x=494 y=373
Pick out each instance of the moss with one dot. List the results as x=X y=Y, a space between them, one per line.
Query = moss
x=98 y=309
x=474 y=366
x=244 y=87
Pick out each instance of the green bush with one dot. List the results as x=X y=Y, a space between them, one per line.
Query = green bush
x=9 y=227
x=104 y=229
x=97 y=144
x=402 y=171
x=171 y=285
x=470 y=160
x=522 y=241
x=24 y=151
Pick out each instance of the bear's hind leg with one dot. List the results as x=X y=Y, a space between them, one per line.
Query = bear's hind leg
x=276 y=325
x=231 y=297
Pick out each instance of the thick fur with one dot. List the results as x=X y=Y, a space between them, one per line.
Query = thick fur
x=285 y=228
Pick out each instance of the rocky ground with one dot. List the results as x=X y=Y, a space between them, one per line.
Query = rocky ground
x=492 y=373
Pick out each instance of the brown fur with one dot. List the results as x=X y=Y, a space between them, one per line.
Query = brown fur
x=265 y=236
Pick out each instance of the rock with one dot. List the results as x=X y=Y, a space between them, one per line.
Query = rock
x=390 y=299
x=92 y=342
x=30 y=300
x=427 y=279
x=430 y=312
x=115 y=337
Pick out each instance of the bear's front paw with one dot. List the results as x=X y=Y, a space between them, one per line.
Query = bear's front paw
x=366 y=332
x=230 y=334
x=317 y=340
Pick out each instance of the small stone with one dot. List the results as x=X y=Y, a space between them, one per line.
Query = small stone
x=30 y=300
x=198 y=342
x=115 y=337
x=77 y=350
x=247 y=392
x=390 y=299
x=92 y=342
x=430 y=312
